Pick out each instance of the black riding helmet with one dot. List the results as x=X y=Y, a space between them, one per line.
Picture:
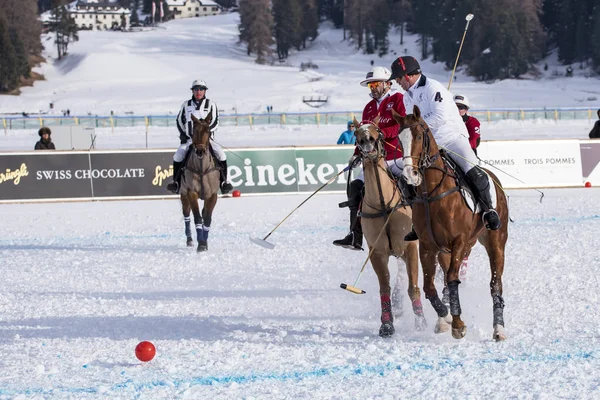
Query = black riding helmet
x=405 y=65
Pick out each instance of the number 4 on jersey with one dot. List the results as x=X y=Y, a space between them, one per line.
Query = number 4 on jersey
x=438 y=97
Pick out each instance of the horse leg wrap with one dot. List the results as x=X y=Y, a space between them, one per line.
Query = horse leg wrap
x=438 y=306
x=199 y=233
x=205 y=230
x=498 y=309
x=188 y=226
x=454 y=301
x=417 y=307
x=386 y=309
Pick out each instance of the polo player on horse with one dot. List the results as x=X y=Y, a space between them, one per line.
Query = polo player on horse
x=384 y=100
x=201 y=107
x=439 y=112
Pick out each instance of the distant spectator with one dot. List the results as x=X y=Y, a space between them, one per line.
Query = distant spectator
x=595 y=132
x=569 y=71
x=348 y=137
x=45 y=142
x=472 y=123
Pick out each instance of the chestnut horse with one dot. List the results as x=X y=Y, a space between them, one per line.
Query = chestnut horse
x=382 y=211
x=200 y=179
x=446 y=226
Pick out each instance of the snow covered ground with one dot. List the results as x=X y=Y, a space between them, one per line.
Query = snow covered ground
x=83 y=283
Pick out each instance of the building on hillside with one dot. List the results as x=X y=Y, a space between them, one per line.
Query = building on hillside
x=100 y=15
x=192 y=8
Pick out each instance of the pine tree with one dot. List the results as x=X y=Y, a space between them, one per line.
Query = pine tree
x=9 y=75
x=309 y=24
x=22 y=15
x=287 y=18
x=355 y=15
x=256 y=24
x=595 y=40
x=21 y=58
x=65 y=28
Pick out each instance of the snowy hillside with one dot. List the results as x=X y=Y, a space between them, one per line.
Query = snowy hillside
x=150 y=73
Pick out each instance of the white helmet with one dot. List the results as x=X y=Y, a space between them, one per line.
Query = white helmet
x=377 y=74
x=199 y=82
x=464 y=100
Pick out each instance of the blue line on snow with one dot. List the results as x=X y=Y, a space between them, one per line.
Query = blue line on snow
x=346 y=370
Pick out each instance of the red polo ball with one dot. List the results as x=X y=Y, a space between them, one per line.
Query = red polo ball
x=145 y=351
x=236 y=193
x=588 y=184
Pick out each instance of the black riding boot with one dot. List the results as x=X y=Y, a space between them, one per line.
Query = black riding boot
x=354 y=239
x=480 y=182
x=174 y=186
x=411 y=236
x=226 y=187
x=408 y=193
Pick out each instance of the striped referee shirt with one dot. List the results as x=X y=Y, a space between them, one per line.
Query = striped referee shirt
x=201 y=109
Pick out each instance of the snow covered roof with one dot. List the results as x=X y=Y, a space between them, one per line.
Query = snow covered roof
x=182 y=2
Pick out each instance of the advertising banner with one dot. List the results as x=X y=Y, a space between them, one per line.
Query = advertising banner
x=131 y=173
x=590 y=161
x=107 y=174
x=47 y=175
x=285 y=170
x=533 y=163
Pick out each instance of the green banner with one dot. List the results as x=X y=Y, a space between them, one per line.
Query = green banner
x=302 y=169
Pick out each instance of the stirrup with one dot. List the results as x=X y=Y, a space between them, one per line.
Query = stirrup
x=491 y=220
x=226 y=187
x=173 y=187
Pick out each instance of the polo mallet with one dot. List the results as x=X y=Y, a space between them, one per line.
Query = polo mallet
x=263 y=242
x=469 y=17
x=353 y=288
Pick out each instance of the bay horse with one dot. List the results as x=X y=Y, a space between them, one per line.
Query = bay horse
x=383 y=211
x=200 y=179
x=447 y=228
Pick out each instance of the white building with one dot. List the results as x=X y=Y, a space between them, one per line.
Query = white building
x=99 y=14
x=192 y=8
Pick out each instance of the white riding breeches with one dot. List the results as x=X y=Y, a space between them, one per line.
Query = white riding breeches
x=182 y=150
x=394 y=166
x=461 y=153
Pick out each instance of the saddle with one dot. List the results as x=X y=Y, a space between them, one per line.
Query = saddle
x=469 y=196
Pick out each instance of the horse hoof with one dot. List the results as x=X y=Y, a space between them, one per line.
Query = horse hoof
x=189 y=243
x=386 y=330
x=459 y=333
x=442 y=325
x=499 y=334
x=203 y=246
x=420 y=323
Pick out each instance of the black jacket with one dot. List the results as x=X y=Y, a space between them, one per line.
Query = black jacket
x=595 y=132
x=44 y=145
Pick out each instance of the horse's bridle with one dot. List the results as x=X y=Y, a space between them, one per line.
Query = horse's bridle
x=386 y=209
x=426 y=161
